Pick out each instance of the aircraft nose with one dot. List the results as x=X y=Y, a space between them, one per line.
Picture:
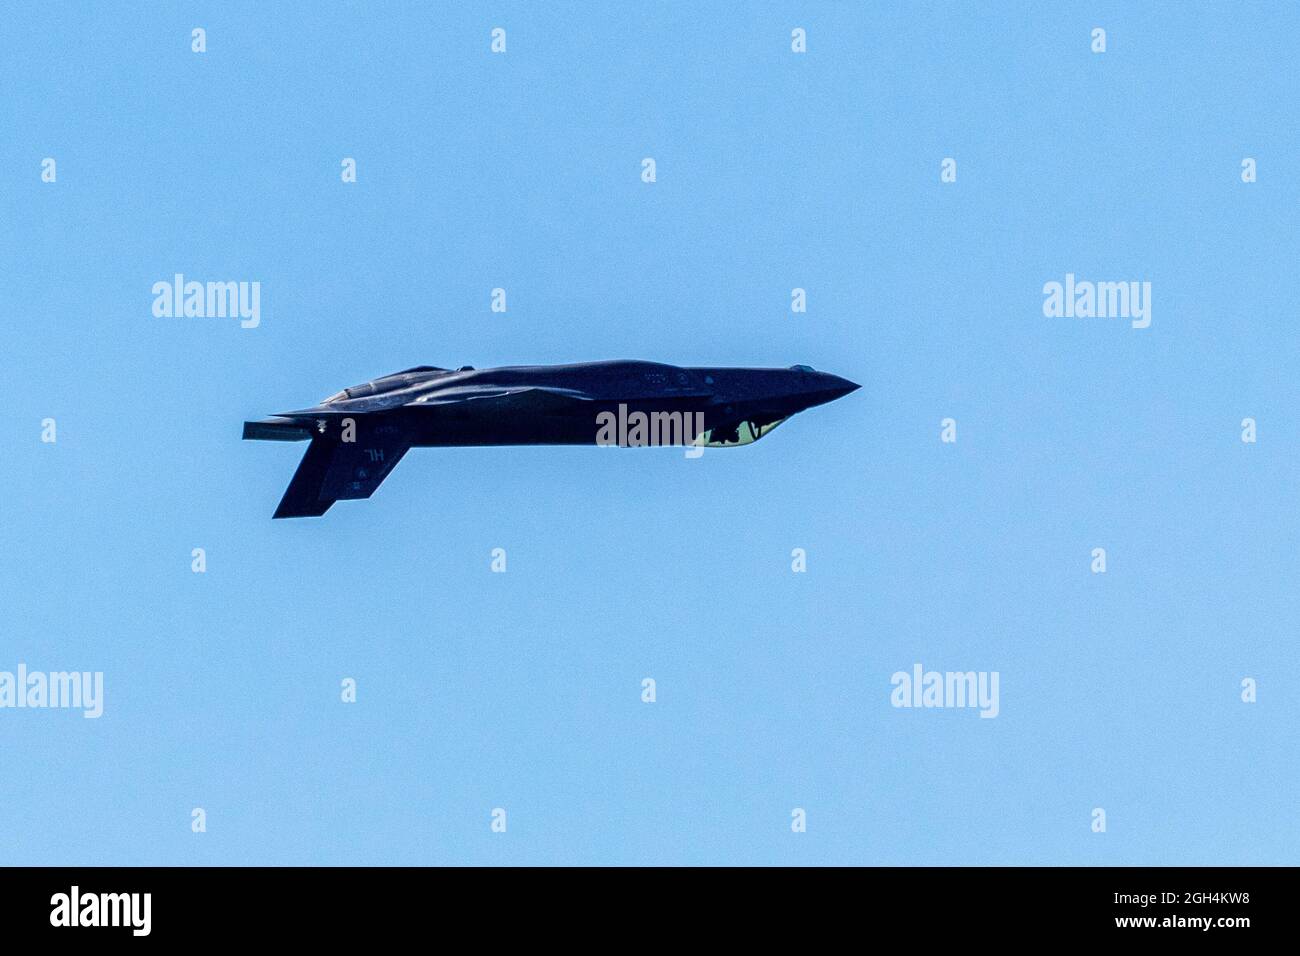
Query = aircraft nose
x=818 y=388
x=836 y=386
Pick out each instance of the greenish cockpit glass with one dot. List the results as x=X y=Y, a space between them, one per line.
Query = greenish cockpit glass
x=746 y=433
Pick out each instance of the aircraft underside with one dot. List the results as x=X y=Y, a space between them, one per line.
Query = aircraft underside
x=358 y=435
x=337 y=469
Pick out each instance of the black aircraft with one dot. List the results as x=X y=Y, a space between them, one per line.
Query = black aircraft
x=360 y=434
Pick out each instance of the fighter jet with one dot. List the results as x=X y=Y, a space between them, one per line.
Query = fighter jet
x=360 y=434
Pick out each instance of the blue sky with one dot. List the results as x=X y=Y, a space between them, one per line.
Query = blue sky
x=775 y=170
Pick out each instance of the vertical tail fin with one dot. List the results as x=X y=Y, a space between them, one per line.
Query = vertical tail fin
x=302 y=499
x=332 y=470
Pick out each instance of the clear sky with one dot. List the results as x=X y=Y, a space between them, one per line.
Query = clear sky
x=775 y=170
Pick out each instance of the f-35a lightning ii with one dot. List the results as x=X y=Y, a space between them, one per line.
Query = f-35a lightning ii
x=360 y=434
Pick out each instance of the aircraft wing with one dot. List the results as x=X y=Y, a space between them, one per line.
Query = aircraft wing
x=522 y=397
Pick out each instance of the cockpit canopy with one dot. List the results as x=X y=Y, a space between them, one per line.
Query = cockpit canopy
x=386 y=383
x=732 y=436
